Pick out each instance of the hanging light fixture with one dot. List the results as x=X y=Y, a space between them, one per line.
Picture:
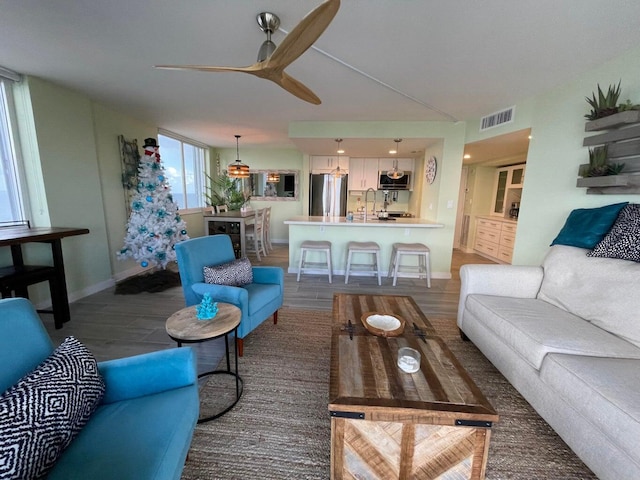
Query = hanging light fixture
x=273 y=177
x=238 y=169
x=336 y=172
x=395 y=173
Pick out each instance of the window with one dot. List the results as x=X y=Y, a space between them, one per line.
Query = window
x=184 y=164
x=11 y=202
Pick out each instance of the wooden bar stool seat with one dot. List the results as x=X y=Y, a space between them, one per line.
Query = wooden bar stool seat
x=420 y=271
x=315 y=246
x=365 y=248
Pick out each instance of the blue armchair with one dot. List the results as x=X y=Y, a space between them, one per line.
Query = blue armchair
x=257 y=301
x=143 y=426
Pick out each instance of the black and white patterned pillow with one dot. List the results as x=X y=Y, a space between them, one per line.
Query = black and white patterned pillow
x=236 y=273
x=623 y=240
x=42 y=413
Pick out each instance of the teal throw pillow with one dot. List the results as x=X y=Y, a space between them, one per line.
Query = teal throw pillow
x=585 y=227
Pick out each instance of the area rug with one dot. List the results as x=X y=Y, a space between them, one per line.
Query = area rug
x=280 y=429
x=150 y=282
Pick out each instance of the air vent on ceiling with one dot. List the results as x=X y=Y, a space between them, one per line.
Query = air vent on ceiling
x=498 y=118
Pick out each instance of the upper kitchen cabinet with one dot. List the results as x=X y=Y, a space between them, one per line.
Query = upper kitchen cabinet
x=363 y=173
x=405 y=164
x=507 y=189
x=324 y=164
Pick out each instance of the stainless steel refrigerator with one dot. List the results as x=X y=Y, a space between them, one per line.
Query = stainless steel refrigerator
x=327 y=195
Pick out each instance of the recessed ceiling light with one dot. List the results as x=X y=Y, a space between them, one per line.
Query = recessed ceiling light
x=467 y=156
x=393 y=152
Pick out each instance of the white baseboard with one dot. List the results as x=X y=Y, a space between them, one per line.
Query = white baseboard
x=438 y=275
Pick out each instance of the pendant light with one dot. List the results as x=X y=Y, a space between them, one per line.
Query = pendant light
x=238 y=169
x=336 y=172
x=273 y=177
x=395 y=173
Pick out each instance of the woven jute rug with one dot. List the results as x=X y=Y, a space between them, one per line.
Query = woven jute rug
x=280 y=429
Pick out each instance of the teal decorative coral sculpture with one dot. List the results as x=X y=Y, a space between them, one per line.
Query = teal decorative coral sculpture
x=207 y=308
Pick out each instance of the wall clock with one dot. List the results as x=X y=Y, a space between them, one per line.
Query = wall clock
x=431 y=169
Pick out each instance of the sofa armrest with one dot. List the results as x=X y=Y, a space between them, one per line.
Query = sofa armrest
x=222 y=293
x=149 y=373
x=268 y=275
x=520 y=281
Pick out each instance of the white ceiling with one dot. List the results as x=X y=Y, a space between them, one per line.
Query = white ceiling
x=464 y=58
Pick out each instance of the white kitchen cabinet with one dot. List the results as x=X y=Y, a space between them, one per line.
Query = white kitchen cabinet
x=495 y=238
x=507 y=189
x=363 y=173
x=324 y=164
x=405 y=164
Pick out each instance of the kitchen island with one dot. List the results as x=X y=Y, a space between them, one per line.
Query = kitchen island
x=339 y=232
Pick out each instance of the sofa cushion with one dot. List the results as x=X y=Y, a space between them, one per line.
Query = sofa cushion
x=534 y=328
x=42 y=413
x=605 y=390
x=585 y=227
x=236 y=273
x=603 y=291
x=146 y=438
x=623 y=240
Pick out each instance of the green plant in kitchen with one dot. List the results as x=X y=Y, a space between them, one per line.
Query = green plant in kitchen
x=604 y=105
x=224 y=190
x=598 y=166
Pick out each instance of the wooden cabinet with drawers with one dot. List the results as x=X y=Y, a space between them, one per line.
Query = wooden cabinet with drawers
x=495 y=238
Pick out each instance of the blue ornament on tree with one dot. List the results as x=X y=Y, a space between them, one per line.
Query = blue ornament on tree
x=149 y=198
x=144 y=264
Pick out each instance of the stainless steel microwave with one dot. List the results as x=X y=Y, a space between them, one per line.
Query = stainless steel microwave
x=386 y=183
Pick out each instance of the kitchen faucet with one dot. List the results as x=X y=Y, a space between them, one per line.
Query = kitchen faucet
x=366 y=202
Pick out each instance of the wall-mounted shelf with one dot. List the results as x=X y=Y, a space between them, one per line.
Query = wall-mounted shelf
x=622 y=137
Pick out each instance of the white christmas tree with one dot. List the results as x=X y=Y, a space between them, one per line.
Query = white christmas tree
x=155 y=225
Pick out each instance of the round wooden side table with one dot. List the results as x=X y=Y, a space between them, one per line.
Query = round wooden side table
x=185 y=327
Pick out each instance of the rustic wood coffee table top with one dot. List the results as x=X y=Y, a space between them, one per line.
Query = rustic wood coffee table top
x=365 y=379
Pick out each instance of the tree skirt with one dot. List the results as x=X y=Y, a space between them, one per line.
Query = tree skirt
x=151 y=282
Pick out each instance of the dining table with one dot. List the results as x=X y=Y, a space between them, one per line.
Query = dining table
x=231 y=223
x=17 y=276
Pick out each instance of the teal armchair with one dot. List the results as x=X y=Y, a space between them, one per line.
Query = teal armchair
x=143 y=426
x=257 y=301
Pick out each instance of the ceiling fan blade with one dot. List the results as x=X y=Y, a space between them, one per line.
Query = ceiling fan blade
x=304 y=34
x=296 y=88
x=205 y=68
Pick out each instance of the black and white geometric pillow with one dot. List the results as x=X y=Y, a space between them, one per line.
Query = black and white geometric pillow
x=623 y=240
x=42 y=413
x=236 y=273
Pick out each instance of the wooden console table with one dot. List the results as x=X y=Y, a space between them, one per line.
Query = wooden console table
x=17 y=277
x=387 y=424
x=233 y=224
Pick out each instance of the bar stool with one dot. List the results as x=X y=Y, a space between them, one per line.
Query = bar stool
x=419 y=249
x=363 y=247
x=315 y=246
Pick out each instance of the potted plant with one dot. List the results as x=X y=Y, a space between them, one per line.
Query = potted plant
x=604 y=105
x=224 y=190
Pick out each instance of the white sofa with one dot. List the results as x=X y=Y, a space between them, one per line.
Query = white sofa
x=567 y=336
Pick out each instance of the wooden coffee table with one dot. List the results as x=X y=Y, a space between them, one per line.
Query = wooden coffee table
x=387 y=424
x=185 y=327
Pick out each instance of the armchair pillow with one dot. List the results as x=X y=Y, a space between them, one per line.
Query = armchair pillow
x=585 y=227
x=236 y=273
x=623 y=240
x=42 y=413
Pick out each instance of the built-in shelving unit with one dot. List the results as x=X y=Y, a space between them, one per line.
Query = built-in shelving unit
x=622 y=137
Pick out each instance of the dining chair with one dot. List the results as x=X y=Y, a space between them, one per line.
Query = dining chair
x=254 y=233
x=267 y=229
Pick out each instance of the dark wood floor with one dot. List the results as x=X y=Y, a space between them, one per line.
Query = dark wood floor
x=114 y=326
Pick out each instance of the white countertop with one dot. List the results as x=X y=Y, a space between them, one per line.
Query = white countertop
x=403 y=222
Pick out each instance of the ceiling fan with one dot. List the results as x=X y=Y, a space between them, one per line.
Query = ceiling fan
x=273 y=60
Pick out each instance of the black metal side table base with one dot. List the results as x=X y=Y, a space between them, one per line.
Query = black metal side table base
x=239 y=390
